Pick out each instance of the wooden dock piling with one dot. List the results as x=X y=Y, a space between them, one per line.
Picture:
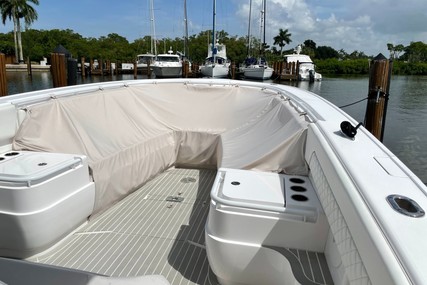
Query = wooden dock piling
x=3 y=81
x=29 y=70
x=378 y=94
x=233 y=70
x=135 y=70
x=185 y=69
x=195 y=70
x=149 y=69
x=83 y=69
x=101 y=66
x=58 y=69
x=286 y=70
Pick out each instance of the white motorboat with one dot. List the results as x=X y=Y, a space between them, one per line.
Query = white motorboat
x=167 y=65
x=200 y=181
x=144 y=60
x=306 y=71
x=216 y=63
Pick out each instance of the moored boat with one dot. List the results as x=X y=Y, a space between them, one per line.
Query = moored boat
x=216 y=63
x=201 y=180
x=167 y=65
x=306 y=71
x=144 y=60
x=257 y=68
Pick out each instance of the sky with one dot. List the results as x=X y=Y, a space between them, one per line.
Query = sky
x=351 y=25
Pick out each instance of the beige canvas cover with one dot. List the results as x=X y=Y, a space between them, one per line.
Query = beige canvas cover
x=132 y=133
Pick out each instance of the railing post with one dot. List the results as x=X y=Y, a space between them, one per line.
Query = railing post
x=379 y=87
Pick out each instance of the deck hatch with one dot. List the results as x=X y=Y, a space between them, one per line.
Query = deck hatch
x=176 y=199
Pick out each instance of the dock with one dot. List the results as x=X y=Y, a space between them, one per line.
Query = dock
x=24 y=67
x=286 y=70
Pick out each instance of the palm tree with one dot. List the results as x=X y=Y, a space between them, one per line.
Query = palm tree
x=16 y=10
x=283 y=38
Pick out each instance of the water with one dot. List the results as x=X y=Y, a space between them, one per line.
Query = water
x=405 y=133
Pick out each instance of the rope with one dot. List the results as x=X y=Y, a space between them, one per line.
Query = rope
x=354 y=103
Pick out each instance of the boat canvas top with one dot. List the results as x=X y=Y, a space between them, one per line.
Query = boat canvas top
x=220 y=51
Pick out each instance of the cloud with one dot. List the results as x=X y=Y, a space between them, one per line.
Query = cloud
x=364 y=25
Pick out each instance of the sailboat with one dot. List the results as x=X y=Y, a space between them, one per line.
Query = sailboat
x=257 y=68
x=216 y=64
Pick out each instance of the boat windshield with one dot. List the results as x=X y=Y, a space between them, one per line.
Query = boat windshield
x=218 y=60
x=168 y=58
x=145 y=59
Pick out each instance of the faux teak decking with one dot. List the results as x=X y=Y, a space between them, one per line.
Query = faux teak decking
x=149 y=233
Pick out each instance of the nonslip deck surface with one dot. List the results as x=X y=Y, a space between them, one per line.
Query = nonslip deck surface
x=153 y=232
x=146 y=234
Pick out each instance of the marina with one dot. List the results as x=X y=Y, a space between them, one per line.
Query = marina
x=130 y=154
x=405 y=134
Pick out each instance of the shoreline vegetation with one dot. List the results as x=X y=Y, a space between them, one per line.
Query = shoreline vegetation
x=334 y=66
x=37 y=44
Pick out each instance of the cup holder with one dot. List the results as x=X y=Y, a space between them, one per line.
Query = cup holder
x=299 y=198
x=13 y=153
x=405 y=206
x=298 y=188
x=296 y=180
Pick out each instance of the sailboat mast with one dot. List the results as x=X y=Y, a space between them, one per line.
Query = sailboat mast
x=249 y=29
x=186 y=52
x=262 y=29
x=153 y=29
x=213 y=31
x=265 y=23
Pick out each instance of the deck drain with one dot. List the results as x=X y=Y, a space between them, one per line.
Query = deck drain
x=188 y=180
x=174 y=199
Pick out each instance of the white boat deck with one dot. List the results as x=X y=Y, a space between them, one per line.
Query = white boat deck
x=146 y=234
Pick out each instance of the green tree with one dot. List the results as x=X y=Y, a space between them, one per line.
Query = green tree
x=310 y=44
x=395 y=50
x=325 y=52
x=309 y=48
x=6 y=43
x=282 y=39
x=415 y=52
x=15 y=10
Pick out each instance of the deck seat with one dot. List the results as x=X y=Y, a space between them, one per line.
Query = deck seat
x=133 y=133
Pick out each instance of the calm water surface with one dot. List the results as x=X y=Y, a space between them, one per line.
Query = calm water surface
x=405 y=133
